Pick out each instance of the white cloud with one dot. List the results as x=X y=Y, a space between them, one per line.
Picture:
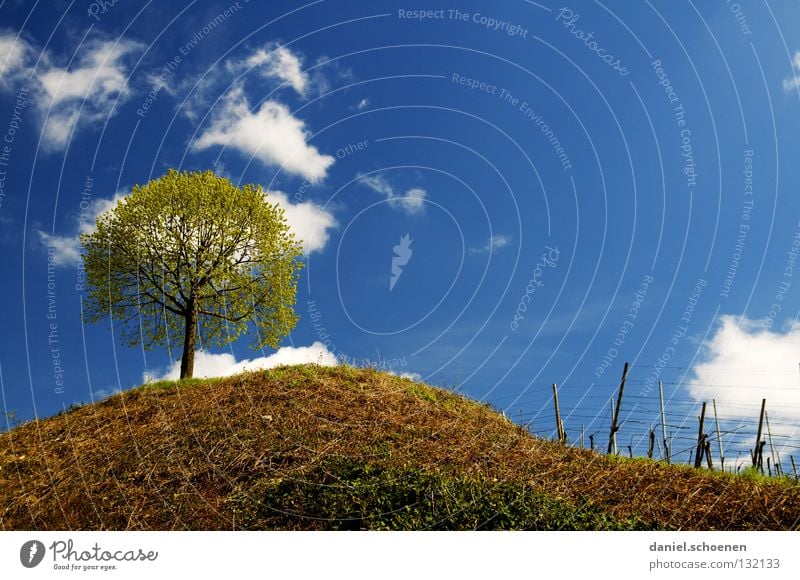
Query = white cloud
x=70 y=98
x=377 y=183
x=271 y=134
x=273 y=61
x=362 y=104
x=67 y=249
x=412 y=201
x=162 y=82
x=494 y=243
x=746 y=362
x=225 y=364
x=793 y=81
x=17 y=60
x=87 y=93
x=309 y=221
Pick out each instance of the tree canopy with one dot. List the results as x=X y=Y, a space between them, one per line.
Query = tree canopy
x=191 y=257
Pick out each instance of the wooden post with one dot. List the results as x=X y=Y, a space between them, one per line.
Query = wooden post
x=719 y=436
x=670 y=448
x=591 y=441
x=698 y=456
x=612 y=439
x=757 y=448
x=559 y=425
x=583 y=437
x=794 y=467
x=652 y=444
x=760 y=456
x=663 y=421
x=708 y=454
x=775 y=462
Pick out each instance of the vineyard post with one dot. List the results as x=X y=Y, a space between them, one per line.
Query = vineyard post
x=776 y=462
x=757 y=448
x=760 y=455
x=612 y=439
x=698 y=456
x=663 y=421
x=719 y=436
x=559 y=424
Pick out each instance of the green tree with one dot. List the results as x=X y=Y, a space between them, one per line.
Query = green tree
x=191 y=255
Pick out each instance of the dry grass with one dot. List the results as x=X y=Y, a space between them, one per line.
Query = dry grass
x=171 y=456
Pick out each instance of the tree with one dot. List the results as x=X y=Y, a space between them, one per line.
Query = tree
x=191 y=255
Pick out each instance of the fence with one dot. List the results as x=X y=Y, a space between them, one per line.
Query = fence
x=668 y=426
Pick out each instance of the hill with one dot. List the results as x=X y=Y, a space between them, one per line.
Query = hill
x=309 y=447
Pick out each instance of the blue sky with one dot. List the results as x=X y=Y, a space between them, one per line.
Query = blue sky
x=492 y=197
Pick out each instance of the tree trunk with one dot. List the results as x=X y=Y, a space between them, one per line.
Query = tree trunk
x=189 y=340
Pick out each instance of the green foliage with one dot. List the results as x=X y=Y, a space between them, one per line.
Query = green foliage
x=193 y=247
x=348 y=495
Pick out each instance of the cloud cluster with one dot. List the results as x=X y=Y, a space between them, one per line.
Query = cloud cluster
x=793 y=81
x=411 y=202
x=82 y=94
x=68 y=247
x=744 y=363
x=207 y=365
x=309 y=221
x=270 y=133
x=494 y=243
x=278 y=62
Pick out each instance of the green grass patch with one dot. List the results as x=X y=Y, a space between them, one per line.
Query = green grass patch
x=349 y=495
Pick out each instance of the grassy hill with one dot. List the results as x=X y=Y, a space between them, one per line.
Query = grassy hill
x=309 y=447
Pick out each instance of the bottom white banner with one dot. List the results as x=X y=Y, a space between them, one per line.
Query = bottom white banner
x=356 y=555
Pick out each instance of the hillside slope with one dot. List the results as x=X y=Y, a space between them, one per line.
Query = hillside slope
x=311 y=447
